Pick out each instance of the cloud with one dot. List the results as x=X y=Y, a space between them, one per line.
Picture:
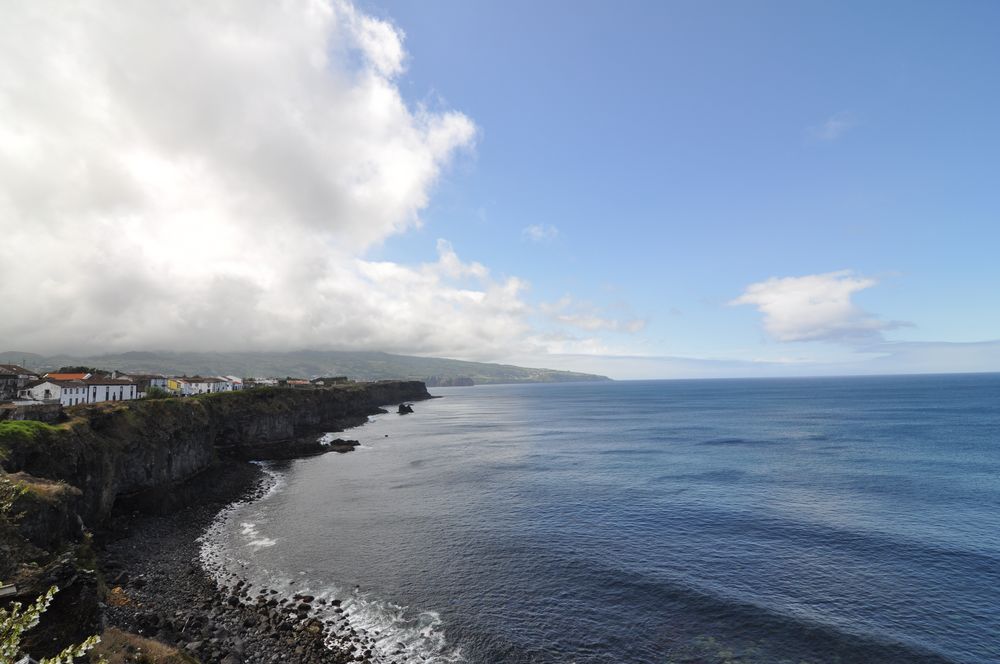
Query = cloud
x=211 y=175
x=815 y=307
x=877 y=359
x=585 y=316
x=834 y=127
x=540 y=233
x=934 y=357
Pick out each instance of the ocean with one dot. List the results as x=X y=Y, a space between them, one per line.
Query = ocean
x=738 y=521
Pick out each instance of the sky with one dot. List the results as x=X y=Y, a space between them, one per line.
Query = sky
x=638 y=189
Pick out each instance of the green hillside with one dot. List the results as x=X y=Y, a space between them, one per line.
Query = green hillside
x=307 y=364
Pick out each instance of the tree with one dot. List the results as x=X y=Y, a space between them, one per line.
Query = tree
x=157 y=393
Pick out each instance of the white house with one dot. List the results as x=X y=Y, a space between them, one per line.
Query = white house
x=189 y=385
x=235 y=382
x=110 y=389
x=261 y=382
x=66 y=392
x=74 y=392
x=144 y=382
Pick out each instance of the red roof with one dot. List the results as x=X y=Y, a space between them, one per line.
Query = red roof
x=67 y=376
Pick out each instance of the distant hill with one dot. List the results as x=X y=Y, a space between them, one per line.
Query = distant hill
x=308 y=364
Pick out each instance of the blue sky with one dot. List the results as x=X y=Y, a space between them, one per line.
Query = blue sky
x=686 y=150
x=642 y=189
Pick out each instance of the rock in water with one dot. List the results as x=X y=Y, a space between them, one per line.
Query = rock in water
x=405 y=408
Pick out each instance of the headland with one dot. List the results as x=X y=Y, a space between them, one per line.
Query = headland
x=115 y=498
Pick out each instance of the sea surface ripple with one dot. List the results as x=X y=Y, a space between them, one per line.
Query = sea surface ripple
x=785 y=520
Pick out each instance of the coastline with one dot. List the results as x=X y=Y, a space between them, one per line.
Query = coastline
x=113 y=519
x=160 y=588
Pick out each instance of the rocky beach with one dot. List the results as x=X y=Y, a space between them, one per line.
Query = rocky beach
x=158 y=588
x=113 y=503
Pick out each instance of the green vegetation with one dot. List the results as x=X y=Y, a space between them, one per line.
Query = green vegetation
x=16 y=433
x=264 y=399
x=19 y=619
x=157 y=393
x=24 y=431
x=46 y=491
x=9 y=492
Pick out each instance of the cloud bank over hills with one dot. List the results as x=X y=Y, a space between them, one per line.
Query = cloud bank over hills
x=218 y=177
x=210 y=175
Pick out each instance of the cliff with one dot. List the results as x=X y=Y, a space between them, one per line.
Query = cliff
x=162 y=454
x=128 y=450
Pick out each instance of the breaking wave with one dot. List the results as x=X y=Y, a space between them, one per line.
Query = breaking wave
x=396 y=633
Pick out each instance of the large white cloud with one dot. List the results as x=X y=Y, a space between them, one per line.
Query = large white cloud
x=201 y=175
x=816 y=307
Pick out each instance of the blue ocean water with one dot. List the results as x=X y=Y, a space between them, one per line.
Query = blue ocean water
x=784 y=520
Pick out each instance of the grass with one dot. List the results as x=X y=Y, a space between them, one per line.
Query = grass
x=47 y=490
x=24 y=431
x=119 y=647
x=18 y=433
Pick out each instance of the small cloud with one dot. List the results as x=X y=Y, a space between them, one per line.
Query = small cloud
x=815 y=307
x=451 y=265
x=834 y=128
x=540 y=233
x=635 y=325
x=585 y=316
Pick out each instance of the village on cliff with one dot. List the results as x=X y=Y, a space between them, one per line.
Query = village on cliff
x=26 y=394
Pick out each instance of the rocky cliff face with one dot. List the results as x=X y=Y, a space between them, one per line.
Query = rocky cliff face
x=142 y=449
x=160 y=453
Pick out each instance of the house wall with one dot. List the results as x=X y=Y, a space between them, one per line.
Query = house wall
x=100 y=393
x=187 y=388
x=44 y=391
x=71 y=396
x=8 y=387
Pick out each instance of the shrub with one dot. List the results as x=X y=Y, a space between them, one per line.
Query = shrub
x=157 y=393
x=18 y=619
x=9 y=492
